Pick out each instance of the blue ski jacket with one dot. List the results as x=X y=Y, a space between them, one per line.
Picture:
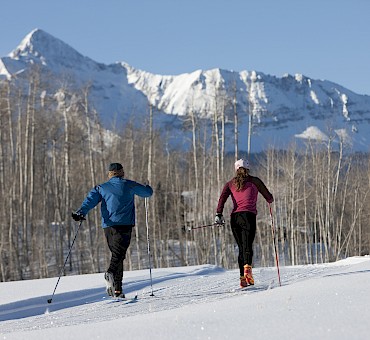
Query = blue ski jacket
x=117 y=197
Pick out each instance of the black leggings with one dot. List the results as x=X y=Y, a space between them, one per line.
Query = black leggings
x=243 y=226
x=118 y=238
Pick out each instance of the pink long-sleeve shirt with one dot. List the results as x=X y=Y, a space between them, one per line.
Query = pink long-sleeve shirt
x=246 y=198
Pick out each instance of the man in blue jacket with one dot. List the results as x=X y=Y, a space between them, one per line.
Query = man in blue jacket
x=117 y=198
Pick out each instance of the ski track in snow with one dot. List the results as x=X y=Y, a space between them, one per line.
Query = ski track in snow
x=171 y=291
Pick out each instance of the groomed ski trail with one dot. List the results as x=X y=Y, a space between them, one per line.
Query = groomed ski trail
x=173 y=288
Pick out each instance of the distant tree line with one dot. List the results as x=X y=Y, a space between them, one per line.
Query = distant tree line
x=54 y=150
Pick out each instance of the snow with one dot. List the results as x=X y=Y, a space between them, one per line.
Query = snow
x=344 y=99
x=326 y=301
x=4 y=74
x=314 y=97
x=313 y=132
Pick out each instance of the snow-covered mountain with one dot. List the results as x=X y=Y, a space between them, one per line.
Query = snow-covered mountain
x=283 y=109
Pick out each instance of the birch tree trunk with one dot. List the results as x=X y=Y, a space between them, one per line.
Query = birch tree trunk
x=195 y=165
x=90 y=138
x=236 y=127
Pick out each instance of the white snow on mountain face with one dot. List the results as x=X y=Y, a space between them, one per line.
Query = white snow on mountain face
x=282 y=108
x=107 y=84
x=312 y=132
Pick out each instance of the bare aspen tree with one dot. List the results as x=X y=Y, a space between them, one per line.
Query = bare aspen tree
x=195 y=166
x=101 y=163
x=17 y=193
x=25 y=174
x=222 y=235
x=150 y=147
x=218 y=165
x=223 y=108
x=342 y=210
x=12 y=189
x=236 y=127
x=251 y=97
x=328 y=201
x=207 y=188
x=217 y=150
x=31 y=176
x=66 y=180
x=91 y=134
x=151 y=207
x=131 y=156
x=63 y=221
x=2 y=187
x=305 y=193
x=292 y=205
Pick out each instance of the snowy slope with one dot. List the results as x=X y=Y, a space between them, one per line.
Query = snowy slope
x=329 y=301
x=283 y=109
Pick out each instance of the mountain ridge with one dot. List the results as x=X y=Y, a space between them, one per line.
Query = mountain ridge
x=288 y=108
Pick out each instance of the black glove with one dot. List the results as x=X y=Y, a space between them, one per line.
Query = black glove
x=78 y=216
x=219 y=219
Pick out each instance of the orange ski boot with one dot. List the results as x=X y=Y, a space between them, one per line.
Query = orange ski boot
x=248 y=274
x=243 y=282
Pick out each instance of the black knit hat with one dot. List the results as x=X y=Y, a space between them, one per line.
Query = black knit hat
x=115 y=166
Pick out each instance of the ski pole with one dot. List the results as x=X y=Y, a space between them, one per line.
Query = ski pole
x=273 y=240
x=62 y=271
x=147 y=237
x=184 y=228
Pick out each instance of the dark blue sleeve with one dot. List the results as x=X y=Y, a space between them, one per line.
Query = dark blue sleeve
x=91 y=201
x=141 y=190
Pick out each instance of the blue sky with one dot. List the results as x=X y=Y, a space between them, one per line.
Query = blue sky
x=322 y=39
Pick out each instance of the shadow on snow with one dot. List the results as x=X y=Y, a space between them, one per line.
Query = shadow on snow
x=39 y=305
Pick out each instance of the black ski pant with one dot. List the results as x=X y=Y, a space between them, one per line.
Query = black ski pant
x=118 y=238
x=243 y=226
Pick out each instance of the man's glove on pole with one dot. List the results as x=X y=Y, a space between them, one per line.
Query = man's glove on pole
x=78 y=216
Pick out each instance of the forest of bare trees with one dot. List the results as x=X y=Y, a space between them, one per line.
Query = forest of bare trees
x=54 y=150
